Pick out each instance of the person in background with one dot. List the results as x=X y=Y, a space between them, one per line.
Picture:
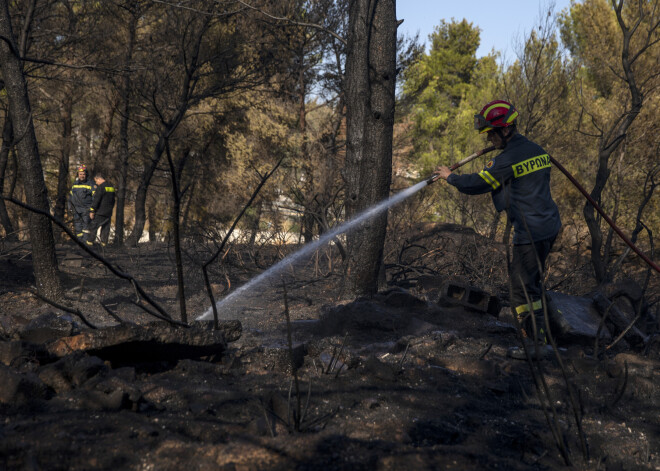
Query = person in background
x=100 y=211
x=519 y=182
x=80 y=199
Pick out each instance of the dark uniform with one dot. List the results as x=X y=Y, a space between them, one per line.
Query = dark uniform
x=102 y=204
x=519 y=182
x=80 y=199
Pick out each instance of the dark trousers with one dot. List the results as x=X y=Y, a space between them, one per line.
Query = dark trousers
x=104 y=223
x=527 y=268
x=526 y=274
x=81 y=223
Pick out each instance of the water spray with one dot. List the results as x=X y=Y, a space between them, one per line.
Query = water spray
x=309 y=248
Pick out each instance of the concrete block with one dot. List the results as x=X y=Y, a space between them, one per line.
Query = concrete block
x=457 y=293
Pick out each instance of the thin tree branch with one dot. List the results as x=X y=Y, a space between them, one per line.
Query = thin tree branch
x=110 y=266
x=296 y=23
x=263 y=181
x=62 y=307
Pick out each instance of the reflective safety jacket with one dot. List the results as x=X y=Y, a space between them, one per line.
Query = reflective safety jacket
x=519 y=181
x=80 y=196
x=104 y=200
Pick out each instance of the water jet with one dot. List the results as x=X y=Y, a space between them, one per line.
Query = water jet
x=311 y=247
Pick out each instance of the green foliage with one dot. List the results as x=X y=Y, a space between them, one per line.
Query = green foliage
x=567 y=103
x=590 y=33
x=537 y=84
x=446 y=86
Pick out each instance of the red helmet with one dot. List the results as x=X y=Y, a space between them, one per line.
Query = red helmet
x=82 y=168
x=496 y=114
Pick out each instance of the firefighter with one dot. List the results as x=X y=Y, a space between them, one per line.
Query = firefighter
x=100 y=210
x=80 y=200
x=519 y=182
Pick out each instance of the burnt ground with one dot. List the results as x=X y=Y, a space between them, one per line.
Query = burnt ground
x=394 y=382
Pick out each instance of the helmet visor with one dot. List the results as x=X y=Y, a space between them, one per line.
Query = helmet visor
x=480 y=123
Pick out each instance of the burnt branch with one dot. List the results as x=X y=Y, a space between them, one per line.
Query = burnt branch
x=112 y=314
x=256 y=191
x=115 y=271
x=158 y=315
x=296 y=23
x=62 y=307
x=622 y=389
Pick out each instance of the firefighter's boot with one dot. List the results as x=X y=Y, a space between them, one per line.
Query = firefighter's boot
x=88 y=238
x=535 y=338
x=534 y=326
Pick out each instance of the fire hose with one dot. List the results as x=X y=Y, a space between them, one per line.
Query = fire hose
x=577 y=185
x=460 y=163
x=612 y=224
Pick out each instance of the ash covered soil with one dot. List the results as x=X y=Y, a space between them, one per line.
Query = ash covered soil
x=394 y=382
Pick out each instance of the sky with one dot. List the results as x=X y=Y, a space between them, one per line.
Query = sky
x=502 y=24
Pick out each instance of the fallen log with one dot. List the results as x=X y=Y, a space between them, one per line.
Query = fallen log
x=129 y=344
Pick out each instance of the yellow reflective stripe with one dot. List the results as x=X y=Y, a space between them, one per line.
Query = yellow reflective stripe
x=513 y=117
x=496 y=105
x=82 y=186
x=510 y=119
x=109 y=189
x=485 y=174
x=523 y=308
x=528 y=166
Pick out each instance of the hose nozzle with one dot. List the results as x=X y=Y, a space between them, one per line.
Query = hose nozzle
x=469 y=158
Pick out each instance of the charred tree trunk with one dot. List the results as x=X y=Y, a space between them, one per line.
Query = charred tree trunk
x=63 y=175
x=176 y=212
x=186 y=211
x=254 y=222
x=7 y=142
x=370 y=82
x=613 y=138
x=107 y=136
x=41 y=233
x=185 y=101
x=307 y=223
x=150 y=168
x=123 y=133
x=141 y=194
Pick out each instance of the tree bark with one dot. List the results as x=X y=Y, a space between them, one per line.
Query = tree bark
x=63 y=175
x=123 y=131
x=254 y=223
x=370 y=86
x=141 y=193
x=7 y=142
x=102 y=153
x=44 y=260
x=176 y=213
